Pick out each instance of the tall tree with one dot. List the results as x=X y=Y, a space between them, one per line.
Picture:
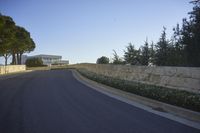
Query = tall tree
x=152 y=53
x=116 y=59
x=6 y=36
x=177 y=52
x=162 y=47
x=145 y=54
x=191 y=35
x=24 y=42
x=14 y=40
x=131 y=55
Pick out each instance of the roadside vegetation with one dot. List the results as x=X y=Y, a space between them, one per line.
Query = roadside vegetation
x=182 y=49
x=14 y=40
x=176 y=97
x=34 y=62
x=103 y=60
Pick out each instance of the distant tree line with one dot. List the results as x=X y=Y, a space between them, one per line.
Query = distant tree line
x=14 y=40
x=182 y=49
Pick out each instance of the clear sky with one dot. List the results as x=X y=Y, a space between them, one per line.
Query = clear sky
x=83 y=30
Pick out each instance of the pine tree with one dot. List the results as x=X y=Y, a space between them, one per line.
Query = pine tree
x=145 y=54
x=162 y=47
x=131 y=55
x=191 y=35
x=177 y=48
x=116 y=58
x=152 y=53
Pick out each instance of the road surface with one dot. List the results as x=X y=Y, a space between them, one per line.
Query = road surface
x=55 y=102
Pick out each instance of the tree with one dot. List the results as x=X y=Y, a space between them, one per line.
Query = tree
x=131 y=55
x=162 y=47
x=34 y=62
x=177 y=53
x=116 y=58
x=14 y=40
x=103 y=60
x=152 y=53
x=191 y=35
x=6 y=36
x=23 y=44
x=145 y=54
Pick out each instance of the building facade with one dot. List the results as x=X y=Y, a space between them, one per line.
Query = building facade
x=47 y=59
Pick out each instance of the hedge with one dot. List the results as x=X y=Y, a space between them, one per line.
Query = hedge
x=34 y=62
x=176 y=97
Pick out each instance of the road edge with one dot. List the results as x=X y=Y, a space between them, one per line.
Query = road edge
x=14 y=74
x=178 y=114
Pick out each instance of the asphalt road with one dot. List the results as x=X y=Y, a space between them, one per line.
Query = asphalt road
x=55 y=102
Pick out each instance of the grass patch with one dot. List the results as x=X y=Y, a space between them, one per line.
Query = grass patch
x=176 y=97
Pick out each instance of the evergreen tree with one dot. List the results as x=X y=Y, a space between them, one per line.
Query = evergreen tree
x=152 y=53
x=131 y=55
x=177 y=48
x=145 y=54
x=116 y=58
x=191 y=35
x=162 y=47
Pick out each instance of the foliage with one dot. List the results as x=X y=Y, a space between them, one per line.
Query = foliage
x=14 y=40
x=191 y=35
x=7 y=26
x=171 y=96
x=23 y=43
x=162 y=49
x=183 y=49
x=103 y=60
x=116 y=58
x=131 y=55
x=152 y=53
x=34 y=62
x=145 y=54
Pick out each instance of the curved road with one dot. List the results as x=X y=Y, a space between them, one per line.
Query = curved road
x=55 y=102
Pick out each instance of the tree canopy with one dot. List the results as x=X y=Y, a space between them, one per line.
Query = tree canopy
x=103 y=60
x=34 y=62
x=116 y=59
x=182 y=49
x=14 y=40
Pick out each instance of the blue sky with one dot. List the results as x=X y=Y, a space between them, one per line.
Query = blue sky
x=83 y=30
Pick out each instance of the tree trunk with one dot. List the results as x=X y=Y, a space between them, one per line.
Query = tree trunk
x=18 y=58
x=6 y=59
x=21 y=58
x=13 y=59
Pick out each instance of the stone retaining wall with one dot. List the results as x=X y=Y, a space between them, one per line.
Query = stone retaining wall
x=185 y=78
x=12 y=68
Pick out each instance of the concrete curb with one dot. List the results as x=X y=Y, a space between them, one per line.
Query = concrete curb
x=181 y=115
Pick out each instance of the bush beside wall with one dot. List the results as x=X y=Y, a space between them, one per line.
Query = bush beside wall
x=176 y=97
x=34 y=62
x=182 y=78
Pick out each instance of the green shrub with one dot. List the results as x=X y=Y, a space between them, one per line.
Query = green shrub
x=34 y=62
x=176 y=97
x=103 y=60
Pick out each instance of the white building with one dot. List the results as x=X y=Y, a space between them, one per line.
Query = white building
x=47 y=59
